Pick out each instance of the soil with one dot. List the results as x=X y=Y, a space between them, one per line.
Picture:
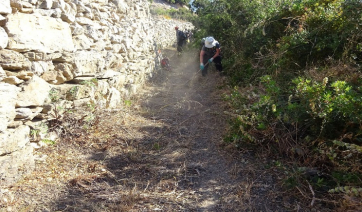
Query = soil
x=162 y=151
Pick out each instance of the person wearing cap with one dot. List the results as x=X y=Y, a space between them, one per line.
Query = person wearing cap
x=210 y=52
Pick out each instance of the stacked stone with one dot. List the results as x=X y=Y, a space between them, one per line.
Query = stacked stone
x=48 y=45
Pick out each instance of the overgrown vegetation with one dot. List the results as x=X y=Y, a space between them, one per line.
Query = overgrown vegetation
x=295 y=69
x=181 y=2
x=180 y=14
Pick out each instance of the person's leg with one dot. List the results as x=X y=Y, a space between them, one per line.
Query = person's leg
x=183 y=45
x=205 y=60
x=179 y=49
x=218 y=64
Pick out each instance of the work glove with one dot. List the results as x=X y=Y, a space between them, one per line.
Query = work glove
x=210 y=60
x=202 y=66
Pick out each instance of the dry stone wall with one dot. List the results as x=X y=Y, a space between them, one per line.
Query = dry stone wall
x=50 y=47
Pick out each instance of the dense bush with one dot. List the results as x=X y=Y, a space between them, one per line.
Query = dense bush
x=295 y=69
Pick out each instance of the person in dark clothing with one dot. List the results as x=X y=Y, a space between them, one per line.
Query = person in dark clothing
x=180 y=39
x=210 y=52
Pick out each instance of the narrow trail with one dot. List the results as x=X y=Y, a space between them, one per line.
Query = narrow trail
x=162 y=152
x=190 y=105
x=205 y=174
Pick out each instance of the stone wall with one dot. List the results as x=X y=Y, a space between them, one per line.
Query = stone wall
x=52 y=46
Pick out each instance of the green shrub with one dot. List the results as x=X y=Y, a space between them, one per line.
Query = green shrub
x=303 y=60
x=181 y=13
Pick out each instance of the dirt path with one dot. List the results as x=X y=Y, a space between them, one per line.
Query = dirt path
x=189 y=105
x=163 y=153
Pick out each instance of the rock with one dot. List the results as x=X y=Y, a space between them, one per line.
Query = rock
x=65 y=69
x=16 y=165
x=24 y=75
x=12 y=60
x=5 y=7
x=46 y=4
x=40 y=67
x=8 y=94
x=88 y=63
x=82 y=42
x=4 y=39
x=69 y=12
x=14 y=139
x=113 y=98
x=68 y=43
x=38 y=33
x=13 y=80
x=35 y=92
x=2 y=74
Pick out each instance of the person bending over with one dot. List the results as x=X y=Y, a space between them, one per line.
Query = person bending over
x=210 y=52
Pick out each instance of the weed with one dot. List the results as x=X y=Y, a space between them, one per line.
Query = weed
x=91 y=106
x=48 y=141
x=90 y=83
x=54 y=95
x=156 y=146
x=356 y=191
x=278 y=164
x=128 y=103
x=73 y=91
x=34 y=133
x=291 y=182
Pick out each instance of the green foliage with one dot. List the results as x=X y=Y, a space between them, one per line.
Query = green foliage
x=282 y=36
x=73 y=91
x=334 y=103
x=238 y=75
x=54 y=95
x=356 y=191
x=324 y=111
x=128 y=103
x=235 y=98
x=182 y=2
x=304 y=60
x=34 y=132
x=48 y=141
x=90 y=83
x=156 y=146
x=323 y=104
x=181 y=13
x=345 y=177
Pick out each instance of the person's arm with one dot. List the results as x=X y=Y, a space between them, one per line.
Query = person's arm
x=217 y=53
x=202 y=56
x=202 y=60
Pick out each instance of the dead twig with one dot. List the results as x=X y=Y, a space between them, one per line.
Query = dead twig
x=148 y=183
x=313 y=199
x=311 y=189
